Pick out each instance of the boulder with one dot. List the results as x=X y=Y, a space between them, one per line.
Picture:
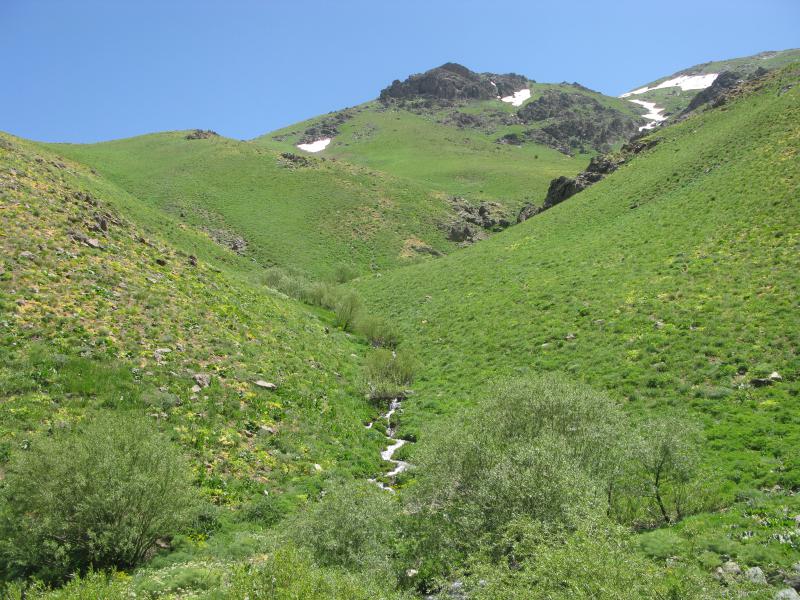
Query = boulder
x=731 y=568
x=202 y=379
x=787 y=594
x=756 y=575
x=267 y=385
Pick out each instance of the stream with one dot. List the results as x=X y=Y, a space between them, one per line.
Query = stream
x=394 y=445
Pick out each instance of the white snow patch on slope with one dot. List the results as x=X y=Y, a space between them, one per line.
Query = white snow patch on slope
x=685 y=82
x=317 y=146
x=653 y=114
x=518 y=98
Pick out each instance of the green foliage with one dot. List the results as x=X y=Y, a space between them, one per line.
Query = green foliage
x=98 y=496
x=378 y=331
x=671 y=279
x=347 y=310
x=666 y=461
x=344 y=272
x=540 y=447
x=353 y=527
x=389 y=372
x=597 y=560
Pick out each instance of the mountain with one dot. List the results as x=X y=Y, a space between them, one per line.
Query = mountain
x=483 y=136
x=689 y=88
x=437 y=162
x=387 y=387
x=671 y=283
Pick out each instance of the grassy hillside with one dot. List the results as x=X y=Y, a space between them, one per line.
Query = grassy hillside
x=305 y=213
x=675 y=99
x=98 y=316
x=440 y=149
x=672 y=284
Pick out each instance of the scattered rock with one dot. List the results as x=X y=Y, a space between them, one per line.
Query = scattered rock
x=193 y=260
x=160 y=353
x=202 y=379
x=768 y=380
x=756 y=575
x=317 y=467
x=267 y=385
x=26 y=255
x=296 y=159
x=196 y=388
x=787 y=594
x=267 y=429
x=731 y=568
x=570 y=336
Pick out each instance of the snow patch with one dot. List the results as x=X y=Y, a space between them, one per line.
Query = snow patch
x=685 y=82
x=518 y=98
x=654 y=114
x=317 y=146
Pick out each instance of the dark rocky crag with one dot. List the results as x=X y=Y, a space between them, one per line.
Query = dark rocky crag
x=562 y=188
x=452 y=82
x=472 y=223
x=572 y=122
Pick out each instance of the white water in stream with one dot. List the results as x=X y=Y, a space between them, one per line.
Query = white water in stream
x=394 y=445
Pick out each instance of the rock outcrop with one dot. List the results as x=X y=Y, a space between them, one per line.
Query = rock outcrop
x=452 y=81
x=201 y=134
x=474 y=222
x=562 y=187
x=573 y=121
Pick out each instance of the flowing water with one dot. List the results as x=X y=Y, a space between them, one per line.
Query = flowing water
x=394 y=445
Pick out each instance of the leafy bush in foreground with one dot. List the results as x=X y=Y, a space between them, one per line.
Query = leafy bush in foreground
x=98 y=496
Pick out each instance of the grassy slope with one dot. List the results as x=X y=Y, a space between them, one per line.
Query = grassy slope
x=306 y=217
x=673 y=275
x=439 y=156
x=674 y=99
x=79 y=327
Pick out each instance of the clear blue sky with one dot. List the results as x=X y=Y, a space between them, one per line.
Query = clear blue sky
x=87 y=70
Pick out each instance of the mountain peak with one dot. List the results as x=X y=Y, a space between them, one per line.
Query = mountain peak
x=453 y=81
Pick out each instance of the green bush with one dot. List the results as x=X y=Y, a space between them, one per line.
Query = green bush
x=352 y=527
x=344 y=272
x=347 y=310
x=93 y=497
x=377 y=330
x=388 y=373
x=539 y=447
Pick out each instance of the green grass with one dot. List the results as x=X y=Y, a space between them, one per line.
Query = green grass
x=442 y=157
x=670 y=285
x=309 y=218
x=463 y=162
x=81 y=329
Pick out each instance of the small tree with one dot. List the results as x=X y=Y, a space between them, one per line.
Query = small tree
x=93 y=497
x=666 y=459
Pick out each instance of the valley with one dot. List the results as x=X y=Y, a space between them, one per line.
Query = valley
x=479 y=337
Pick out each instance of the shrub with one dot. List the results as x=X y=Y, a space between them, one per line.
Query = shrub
x=344 y=272
x=347 y=310
x=541 y=447
x=320 y=293
x=377 y=330
x=352 y=527
x=94 y=497
x=388 y=373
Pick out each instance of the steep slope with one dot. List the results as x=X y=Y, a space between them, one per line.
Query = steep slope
x=470 y=134
x=675 y=93
x=294 y=211
x=672 y=284
x=99 y=315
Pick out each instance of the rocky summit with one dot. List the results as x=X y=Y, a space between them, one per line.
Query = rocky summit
x=452 y=81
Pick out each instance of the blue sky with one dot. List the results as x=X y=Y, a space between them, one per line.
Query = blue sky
x=88 y=70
